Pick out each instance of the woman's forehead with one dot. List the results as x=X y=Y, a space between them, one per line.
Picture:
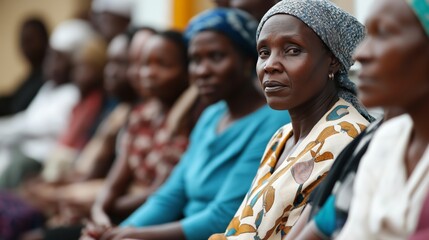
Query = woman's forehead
x=287 y=26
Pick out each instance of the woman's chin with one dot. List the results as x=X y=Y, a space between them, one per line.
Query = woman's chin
x=276 y=105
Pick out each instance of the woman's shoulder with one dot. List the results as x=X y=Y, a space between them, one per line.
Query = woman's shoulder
x=388 y=142
x=215 y=109
x=343 y=111
x=394 y=129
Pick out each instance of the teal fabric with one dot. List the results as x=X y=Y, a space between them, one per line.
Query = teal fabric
x=421 y=9
x=325 y=219
x=212 y=178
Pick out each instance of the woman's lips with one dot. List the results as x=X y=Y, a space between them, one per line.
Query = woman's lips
x=271 y=86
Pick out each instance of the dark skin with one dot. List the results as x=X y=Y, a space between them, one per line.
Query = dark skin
x=110 y=24
x=57 y=67
x=165 y=77
x=256 y=8
x=159 y=74
x=217 y=69
x=394 y=57
x=136 y=46
x=116 y=82
x=33 y=40
x=394 y=73
x=87 y=76
x=292 y=58
x=213 y=65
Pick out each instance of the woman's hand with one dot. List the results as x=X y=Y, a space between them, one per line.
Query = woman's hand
x=93 y=231
x=119 y=233
x=100 y=218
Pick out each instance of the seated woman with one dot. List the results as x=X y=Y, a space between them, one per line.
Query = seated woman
x=86 y=115
x=208 y=184
x=96 y=157
x=31 y=135
x=392 y=181
x=149 y=147
x=302 y=68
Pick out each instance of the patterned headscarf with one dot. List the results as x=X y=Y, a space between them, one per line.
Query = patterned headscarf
x=340 y=32
x=237 y=25
x=421 y=9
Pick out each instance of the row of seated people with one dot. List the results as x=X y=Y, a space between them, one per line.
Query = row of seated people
x=212 y=184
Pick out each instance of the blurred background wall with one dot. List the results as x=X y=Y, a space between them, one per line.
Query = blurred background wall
x=156 y=13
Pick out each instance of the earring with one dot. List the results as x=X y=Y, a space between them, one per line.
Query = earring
x=331 y=76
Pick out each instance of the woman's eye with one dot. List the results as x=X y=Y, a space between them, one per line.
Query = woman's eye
x=263 y=53
x=216 y=56
x=293 y=51
x=383 y=33
x=194 y=59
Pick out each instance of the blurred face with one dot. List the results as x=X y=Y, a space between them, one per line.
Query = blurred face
x=57 y=66
x=86 y=76
x=293 y=64
x=216 y=67
x=256 y=8
x=33 y=43
x=111 y=25
x=162 y=72
x=115 y=72
x=135 y=53
x=394 y=57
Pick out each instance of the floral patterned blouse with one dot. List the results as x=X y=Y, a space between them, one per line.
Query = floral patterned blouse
x=278 y=196
x=151 y=150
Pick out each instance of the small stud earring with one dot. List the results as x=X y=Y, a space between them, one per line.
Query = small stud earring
x=331 y=76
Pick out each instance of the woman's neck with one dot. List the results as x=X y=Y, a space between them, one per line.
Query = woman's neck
x=420 y=115
x=306 y=116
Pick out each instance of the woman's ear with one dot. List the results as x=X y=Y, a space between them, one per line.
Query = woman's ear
x=335 y=65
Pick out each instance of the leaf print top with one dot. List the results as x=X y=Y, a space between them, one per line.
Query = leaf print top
x=278 y=196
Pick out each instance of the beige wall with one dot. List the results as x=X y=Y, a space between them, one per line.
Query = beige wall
x=347 y=5
x=12 y=13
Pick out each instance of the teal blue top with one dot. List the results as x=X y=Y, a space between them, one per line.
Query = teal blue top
x=207 y=186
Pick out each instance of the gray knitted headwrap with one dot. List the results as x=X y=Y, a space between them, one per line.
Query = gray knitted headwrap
x=340 y=32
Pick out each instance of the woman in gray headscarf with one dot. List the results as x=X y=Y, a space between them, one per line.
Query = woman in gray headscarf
x=304 y=49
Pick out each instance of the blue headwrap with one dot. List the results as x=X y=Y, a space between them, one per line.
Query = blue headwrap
x=421 y=9
x=237 y=25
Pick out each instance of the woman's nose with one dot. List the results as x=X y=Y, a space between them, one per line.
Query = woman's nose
x=272 y=64
x=363 y=51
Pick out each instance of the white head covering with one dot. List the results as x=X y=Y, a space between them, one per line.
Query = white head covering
x=70 y=35
x=119 y=7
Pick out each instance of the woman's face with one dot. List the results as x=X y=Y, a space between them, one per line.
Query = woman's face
x=293 y=63
x=162 y=71
x=115 y=72
x=57 y=66
x=134 y=55
x=394 y=57
x=86 y=75
x=216 y=66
